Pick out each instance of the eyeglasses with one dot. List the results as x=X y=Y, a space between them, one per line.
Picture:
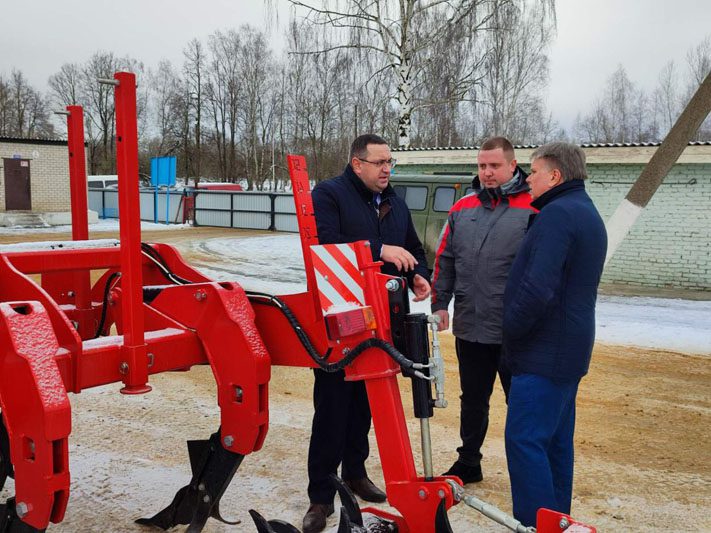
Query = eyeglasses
x=383 y=162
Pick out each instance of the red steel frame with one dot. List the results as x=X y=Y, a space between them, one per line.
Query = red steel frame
x=47 y=330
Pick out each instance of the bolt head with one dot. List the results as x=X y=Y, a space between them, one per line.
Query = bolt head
x=440 y=493
x=564 y=523
x=228 y=441
x=22 y=509
x=206 y=498
x=123 y=368
x=392 y=285
x=422 y=494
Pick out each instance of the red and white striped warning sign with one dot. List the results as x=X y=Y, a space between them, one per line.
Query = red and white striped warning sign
x=337 y=276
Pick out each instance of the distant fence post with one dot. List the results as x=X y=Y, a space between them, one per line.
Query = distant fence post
x=272 y=223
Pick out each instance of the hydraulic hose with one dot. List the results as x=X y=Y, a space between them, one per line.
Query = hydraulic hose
x=409 y=368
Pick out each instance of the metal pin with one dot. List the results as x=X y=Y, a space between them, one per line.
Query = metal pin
x=22 y=509
x=62 y=113
x=107 y=81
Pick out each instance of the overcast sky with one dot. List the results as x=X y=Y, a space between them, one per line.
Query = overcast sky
x=593 y=37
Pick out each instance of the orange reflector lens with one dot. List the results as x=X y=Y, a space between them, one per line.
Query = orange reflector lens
x=351 y=322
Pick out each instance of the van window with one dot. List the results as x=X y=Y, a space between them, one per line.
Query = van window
x=443 y=198
x=102 y=184
x=415 y=197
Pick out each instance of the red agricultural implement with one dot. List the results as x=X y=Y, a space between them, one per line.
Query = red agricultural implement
x=150 y=312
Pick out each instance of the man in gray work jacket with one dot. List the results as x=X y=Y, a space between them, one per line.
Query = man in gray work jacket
x=474 y=254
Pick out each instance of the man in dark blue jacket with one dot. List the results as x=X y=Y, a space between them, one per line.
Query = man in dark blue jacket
x=549 y=329
x=358 y=205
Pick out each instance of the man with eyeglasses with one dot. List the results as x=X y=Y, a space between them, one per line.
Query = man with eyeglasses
x=358 y=205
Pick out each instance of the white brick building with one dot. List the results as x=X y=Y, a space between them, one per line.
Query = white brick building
x=34 y=178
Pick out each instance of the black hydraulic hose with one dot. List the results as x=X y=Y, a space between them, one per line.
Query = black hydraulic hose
x=321 y=361
x=268 y=299
x=157 y=258
x=105 y=302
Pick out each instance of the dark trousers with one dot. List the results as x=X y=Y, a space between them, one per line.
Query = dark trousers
x=539 y=444
x=478 y=366
x=339 y=434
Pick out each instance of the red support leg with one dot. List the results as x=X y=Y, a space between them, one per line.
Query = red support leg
x=36 y=412
x=134 y=348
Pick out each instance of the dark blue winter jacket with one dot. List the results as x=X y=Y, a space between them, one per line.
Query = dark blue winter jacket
x=549 y=301
x=345 y=212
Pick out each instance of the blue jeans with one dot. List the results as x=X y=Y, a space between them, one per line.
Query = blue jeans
x=539 y=444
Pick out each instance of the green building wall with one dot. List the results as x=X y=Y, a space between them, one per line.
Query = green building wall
x=670 y=245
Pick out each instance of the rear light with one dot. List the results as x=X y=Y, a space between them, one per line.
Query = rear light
x=350 y=322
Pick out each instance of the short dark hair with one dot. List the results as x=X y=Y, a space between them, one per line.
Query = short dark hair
x=359 y=147
x=569 y=159
x=493 y=143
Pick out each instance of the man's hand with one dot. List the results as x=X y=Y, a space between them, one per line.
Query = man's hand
x=443 y=315
x=421 y=288
x=400 y=257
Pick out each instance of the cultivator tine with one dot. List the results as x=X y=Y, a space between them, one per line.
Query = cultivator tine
x=272 y=526
x=345 y=525
x=11 y=523
x=213 y=468
x=348 y=502
x=441 y=520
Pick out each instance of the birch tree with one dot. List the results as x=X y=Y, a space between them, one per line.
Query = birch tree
x=399 y=34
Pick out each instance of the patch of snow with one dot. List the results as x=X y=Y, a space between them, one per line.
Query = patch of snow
x=104 y=224
x=274 y=264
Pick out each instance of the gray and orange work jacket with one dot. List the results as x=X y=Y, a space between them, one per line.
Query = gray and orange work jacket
x=474 y=254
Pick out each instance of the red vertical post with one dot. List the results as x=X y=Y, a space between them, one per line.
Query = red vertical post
x=80 y=222
x=134 y=354
x=77 y=172
x=307 y=221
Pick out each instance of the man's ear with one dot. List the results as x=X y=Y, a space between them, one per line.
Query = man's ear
x=556 y=177
x=356 y=165
x=513 y=164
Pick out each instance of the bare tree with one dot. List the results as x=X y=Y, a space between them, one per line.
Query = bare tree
x=23 y=110
x=615 y=116
x=320 y=90
x=221 y=94
x=400 y=33
x=699 y=63
x=256 y=66
x=193 y=70
x=77 y=84
x=515 y=70
x=667 y=101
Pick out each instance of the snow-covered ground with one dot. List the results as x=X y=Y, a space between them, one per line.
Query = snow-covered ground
x=274 y=264
x=105 y=224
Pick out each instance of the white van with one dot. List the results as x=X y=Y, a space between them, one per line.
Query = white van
x=108 y=181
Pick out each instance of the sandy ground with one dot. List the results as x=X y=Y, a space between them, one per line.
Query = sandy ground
x=643 y=458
